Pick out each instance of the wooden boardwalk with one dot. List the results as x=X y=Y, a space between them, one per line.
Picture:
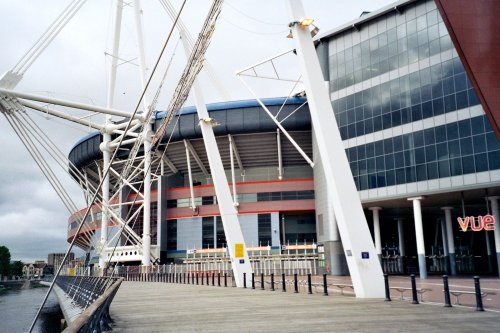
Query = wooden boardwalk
x=162 y=307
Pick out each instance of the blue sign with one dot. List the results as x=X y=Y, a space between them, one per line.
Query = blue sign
x=242 y=261
x=365 y=255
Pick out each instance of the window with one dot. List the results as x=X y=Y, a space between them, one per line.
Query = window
x=172 y=235
x=221 y=236
x=207 y=232
x=264 y=229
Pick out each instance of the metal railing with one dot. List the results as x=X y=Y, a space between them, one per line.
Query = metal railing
x=95 y=295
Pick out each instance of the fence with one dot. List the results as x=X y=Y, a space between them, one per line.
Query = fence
x=95 y=296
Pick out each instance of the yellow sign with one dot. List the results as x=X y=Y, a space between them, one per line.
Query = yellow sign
x=71 y=271
x=239 y=250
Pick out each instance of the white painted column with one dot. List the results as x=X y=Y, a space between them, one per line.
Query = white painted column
x=376 y=231
x=146 y=236
x=401 y=237
x=496 y=215
x=105 y=145
x=106 y=156
x=238 y=253
x=364 y=267
x=419 y=234
x=402 y=251
x=450 y=239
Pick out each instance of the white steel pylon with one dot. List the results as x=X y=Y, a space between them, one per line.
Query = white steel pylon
x=362 y=260
x=240 y=261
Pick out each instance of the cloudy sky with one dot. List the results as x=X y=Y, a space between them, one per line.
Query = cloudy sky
x=33 y=221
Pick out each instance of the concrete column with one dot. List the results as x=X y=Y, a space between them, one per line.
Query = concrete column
x=496 y=215
x=376 y=231
x=401 y=238
x=451 y=240
x=419 y=234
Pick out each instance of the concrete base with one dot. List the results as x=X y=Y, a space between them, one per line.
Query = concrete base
x=335 y=260
x=453 y=264
x=422 y=266
x=498 y=263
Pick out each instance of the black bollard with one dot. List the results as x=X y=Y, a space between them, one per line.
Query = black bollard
x=184 y=278
x=196 y=278
x=309 y=284
x=283 y=282
x=295 y=283
x=414 y=290
x=387 y=290
x=479 y=298
x=192 y=278
x=218 y=279
x=213 y=279
x=202 y=279
x=225 y=279
x=272 y=281
x=208 y=279
x=262 y=281
x=245 y=280
x=446 y=289
x=325 y=285
x=189 y=275
x=253 y=280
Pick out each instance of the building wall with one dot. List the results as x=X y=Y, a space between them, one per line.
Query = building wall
x=409 y=117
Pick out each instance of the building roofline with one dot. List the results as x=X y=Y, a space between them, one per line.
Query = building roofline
x=357 y=23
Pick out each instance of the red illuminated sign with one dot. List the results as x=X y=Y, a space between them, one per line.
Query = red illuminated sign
x=479 y=223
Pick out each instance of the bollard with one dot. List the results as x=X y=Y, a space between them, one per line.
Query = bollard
x=184 y=278
x=387 y=290
x=218 y=279
x=213 y=279
x=202 y=279
x=244 y=280
x=309 y=284
x=413 y=290
x=272 y=281
x=196 y=278
x=283 y=282
x=253 y=280
x=479 y=298
x=188 y=278
x=192 y=278
x=446 y=289
x=208 y=279
x=262 y=281
x=225 y=279
x=325 y=285
x=295 y=283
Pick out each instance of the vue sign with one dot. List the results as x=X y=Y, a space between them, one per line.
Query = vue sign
x=486 y=222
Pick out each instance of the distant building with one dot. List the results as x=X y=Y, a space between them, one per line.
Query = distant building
x=35 y=270
x=55 y=259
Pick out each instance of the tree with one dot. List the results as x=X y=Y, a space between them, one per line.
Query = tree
x=4 y=260
x=16 y=268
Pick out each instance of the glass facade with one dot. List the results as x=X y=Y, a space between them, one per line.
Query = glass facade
x=395 y=70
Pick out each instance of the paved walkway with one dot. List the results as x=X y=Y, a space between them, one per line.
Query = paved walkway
x=163 y=307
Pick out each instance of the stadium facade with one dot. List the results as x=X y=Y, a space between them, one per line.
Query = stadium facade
x=420 y=148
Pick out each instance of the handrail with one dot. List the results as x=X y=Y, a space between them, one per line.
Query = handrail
x=96 y=317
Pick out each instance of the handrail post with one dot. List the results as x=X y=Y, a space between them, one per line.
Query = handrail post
x=413 y=290
x=387 y=289
x=479 y=297
x=309 y=284
x=325 y=285
x=446 y=289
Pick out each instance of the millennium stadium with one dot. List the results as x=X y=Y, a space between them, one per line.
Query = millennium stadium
x=422 y=151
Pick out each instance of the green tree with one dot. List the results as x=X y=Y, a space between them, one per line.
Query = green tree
x=4 y=260
x=16 y=268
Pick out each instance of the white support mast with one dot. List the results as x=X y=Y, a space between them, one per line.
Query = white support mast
x=147 y=136
x=364 y=266
x=240 y=261
x=106 y=134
